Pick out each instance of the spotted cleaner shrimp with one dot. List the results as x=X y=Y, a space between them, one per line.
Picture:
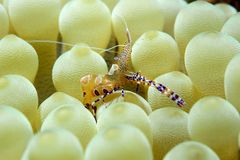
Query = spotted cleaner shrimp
x=118 y=75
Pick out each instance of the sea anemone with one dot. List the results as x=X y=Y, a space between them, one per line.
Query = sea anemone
x=127 y=126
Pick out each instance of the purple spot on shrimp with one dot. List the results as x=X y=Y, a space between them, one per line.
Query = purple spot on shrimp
x=163 y=87
x=96 y=92
x=178 y=103
x=105 y=90
x=95 y=109
x=160 y=89
x=182 y=102
x=176 y=96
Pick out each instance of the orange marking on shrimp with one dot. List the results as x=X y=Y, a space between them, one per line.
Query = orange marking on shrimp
x=111 y=71
x=98 y=80
x=85 y=80
x=115 y=66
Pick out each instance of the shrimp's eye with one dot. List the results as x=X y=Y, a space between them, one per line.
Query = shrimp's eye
x=96 y=92
x=84 y=94
x=105 y=90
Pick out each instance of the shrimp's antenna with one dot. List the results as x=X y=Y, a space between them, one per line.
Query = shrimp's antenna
x=126 y=51
x=125 y=25
x=109 y=49
x=68 y=44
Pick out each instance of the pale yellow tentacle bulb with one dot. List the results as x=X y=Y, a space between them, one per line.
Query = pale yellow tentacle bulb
x=155 y=53
x=11 y=29
x=55 y=100
x=4 y=21
x=18 y=57
x=191 y=150
x=87 y=21
x=231 y=27
x=75 y=118
x=119 y=142
x=207 y=56
x=128 y=97
x=74 y=64
x=171 y=9
x=232 y=82
x=227 y=9
x=19 y=92
x=169 y=128
x=195 y=18
x=53 y=144
x=15 y=133
x=180 y=84
x=128 y=113
x=38 y=20
x=216 y=123
x=139 y=16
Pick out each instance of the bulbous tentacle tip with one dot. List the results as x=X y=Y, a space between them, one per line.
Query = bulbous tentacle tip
x=81 y=49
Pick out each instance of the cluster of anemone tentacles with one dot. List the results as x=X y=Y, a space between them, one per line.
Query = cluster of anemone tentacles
x=191 y=48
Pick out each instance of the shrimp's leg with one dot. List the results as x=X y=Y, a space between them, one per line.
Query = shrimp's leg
x=138 y=79
x=94 y=111
x=94 y=108
x=104 y=103
x=137 y=87
x=138 y=73
x=123 y=94
x=105 y=95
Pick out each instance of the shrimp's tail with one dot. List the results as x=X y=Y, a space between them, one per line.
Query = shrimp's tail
x=138 y=79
